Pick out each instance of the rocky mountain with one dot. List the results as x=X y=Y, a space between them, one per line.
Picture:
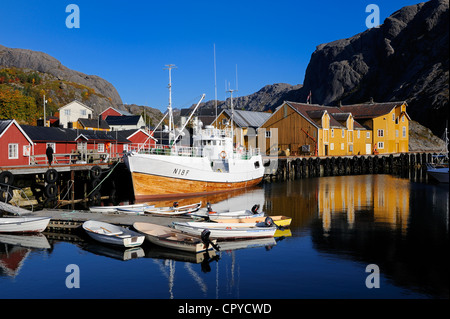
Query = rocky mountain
x=406 y=58
x=91 y=89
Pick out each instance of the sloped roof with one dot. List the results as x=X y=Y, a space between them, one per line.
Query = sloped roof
x=95 y=123
x=248 y=118
x=76 y=101
x=370 y=110
x=121 y=112
x=57 y=134
x=123 y=120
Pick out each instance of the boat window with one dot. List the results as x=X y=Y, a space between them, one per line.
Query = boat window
x=256 y=164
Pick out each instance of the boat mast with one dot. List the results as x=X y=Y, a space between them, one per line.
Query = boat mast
x=169 y=108
x=232 y=113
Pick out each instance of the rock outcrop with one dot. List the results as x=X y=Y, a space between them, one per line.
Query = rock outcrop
x=406 y=58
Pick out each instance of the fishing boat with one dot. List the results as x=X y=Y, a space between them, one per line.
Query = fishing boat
x=23 y=224
x=171 y=238
x=174 y=210
x=112 y=234
x=281 y=221
x=227 y=231
x=123 y=208
x=211 y=164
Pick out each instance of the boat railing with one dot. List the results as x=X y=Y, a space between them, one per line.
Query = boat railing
x=178 y=150
x=246 y=153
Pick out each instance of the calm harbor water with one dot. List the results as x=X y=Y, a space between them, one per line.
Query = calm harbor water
x=340 y=226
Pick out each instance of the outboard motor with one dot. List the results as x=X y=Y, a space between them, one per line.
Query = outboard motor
x=255 y=209
x=175 y=204
x=204 y=236
x=268 y=221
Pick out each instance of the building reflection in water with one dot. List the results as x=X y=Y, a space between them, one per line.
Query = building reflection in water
x=385 y=197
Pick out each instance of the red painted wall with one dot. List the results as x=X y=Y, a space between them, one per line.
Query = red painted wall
x=15 y=136
x=110 y=112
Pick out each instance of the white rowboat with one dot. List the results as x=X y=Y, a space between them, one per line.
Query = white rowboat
x=171 y=238
x=223 y=231
x=113 y=209
x=112 y=234
x=174 y=210
x=23 y=224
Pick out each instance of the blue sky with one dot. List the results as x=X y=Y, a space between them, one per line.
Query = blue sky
x=128 y=42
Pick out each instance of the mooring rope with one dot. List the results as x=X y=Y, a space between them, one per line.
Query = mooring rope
x=86 y=196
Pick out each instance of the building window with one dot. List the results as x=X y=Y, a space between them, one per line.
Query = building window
x=403 y=118
x=358 y=134
x=67 y=112
x=380 y=133
x=13 y=151
x=350 y=148
x=268 y=134
x=396 y=133
x=101 y=148
x=83 y=112
x=332 y=133
x=342 y=146
x=343 y=133
x=380 y=145
x=404 y=131
x=393 y=116
x=367 y=134
x=332 y=146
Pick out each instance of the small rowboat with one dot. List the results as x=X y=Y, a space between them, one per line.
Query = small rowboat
x=282 y=221
x=224 y=231
x=112 y=234
x=174 y=210
x=113 y=209
x=212 y=215
x=139 y=210
x=23 y=224
x=171 y=238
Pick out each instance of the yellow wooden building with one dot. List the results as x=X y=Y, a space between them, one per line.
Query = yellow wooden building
x=388 y=122
x=311 y=129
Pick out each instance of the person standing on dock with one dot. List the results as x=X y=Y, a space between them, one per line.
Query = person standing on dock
x=49 y=153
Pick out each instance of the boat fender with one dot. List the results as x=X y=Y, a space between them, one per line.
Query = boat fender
x=51 y=176
x=96 y=171
x=268 y=221
x=255 y=209
x=51 y=190
x=6 y=177
x=223 y=154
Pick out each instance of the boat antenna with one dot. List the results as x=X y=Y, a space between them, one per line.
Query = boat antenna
x=215 y=82
x=169 y=108
x=232 y=112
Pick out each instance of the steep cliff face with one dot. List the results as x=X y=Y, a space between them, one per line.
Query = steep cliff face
x=406 y=58
x=52 y=70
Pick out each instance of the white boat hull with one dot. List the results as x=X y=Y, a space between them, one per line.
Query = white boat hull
x=23 y=224
x=225 y=231
x=113 y=235
x=167 y=176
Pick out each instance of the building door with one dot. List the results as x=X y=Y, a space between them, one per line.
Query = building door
x=396 y=147
x=368 y=148
x=326 y=150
